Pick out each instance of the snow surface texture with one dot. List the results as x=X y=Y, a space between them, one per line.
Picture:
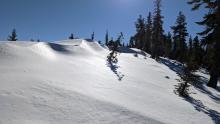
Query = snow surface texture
x=70 y=82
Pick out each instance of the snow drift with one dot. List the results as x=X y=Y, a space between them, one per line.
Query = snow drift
x=71 y=82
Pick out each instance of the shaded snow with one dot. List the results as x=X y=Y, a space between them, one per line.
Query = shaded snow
x=71 y=82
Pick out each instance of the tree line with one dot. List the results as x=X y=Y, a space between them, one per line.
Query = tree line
x=194 y=52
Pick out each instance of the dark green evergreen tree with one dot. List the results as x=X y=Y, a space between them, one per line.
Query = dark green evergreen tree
x=211 y=35
x=13 y=36
x=114 y=48
x=106 y=38
x=190 y=46
x=187 y=78
x=157 y=32
x=197 y=51
x=208 y=53
x=123 y=44
x=174 y=47
x=140 y=35
x=168 y=45
x=120 y=39
x=148 y=35
x=195 y=57
x=93 y=36
x=180 y=33
x=131 y=42
x=71 y=36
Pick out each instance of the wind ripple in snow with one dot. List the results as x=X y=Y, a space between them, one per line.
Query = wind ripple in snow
x=52 y=105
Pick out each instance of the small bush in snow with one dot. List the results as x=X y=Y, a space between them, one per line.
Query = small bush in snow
x=182 y=88
x=112 y=57
x=135 y=55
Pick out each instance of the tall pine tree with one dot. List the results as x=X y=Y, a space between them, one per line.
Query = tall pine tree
x=131 y=42
x=120 y=39
x=198 y=51
x=140 y=35
x=106 y=38
x=195 y=57
x=190 y=46
x=93 y=36
x=148 y=34
x=180 y=33
x=168 y=45
x=211 y=35
x=157 y=32
x=71 y=36
x=13 y=36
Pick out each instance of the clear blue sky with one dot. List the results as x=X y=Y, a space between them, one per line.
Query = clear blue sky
x=52 y=20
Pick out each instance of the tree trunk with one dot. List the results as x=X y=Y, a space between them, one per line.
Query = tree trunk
x=216 y=67
x=213 y=80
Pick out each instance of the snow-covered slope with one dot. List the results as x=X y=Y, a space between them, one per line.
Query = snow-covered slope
x=71 y=82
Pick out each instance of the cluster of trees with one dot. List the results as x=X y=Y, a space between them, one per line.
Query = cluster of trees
x=150 y=34
x=194 y=52
x=151 y=38
x=71 y=37
x=211 y=36
x=119 y=40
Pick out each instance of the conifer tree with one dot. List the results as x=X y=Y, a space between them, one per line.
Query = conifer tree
x=92 y=36
x=131 y=42
x=106 y=38
x=180 y=33
x=190 y=46
x=157 y=31
x=168 y=45
x=195 y=56
x=148 y=35
x=208 y=53
x=198 y=51
x=140 y=35
x=13 y=36
x=182 y=89
x=174 y=47
x=123 y=44
x=71 y=36
x=211 y=35
x=120 y=38
x=113 y=46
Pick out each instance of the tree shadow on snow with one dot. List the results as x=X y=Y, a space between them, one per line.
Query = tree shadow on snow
x=175 y=66
x=131 y=51
x=114 y=68
x=200 y=107
x=200 y=84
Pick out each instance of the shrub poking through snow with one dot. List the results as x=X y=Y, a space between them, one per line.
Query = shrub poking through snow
x=182 y=88
x=135 y=55
x=112 y=57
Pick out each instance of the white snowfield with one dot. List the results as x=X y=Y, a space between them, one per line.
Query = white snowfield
x=70 y=82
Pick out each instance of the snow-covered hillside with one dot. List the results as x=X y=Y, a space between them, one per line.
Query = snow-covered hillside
x=70 y=82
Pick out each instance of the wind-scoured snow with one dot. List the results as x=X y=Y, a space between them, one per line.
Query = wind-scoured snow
x=71 y=82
